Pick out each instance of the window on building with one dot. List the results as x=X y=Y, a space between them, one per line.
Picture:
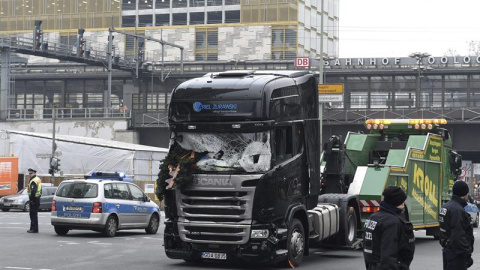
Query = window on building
x=197 y=3
x=214 y=17
x=284 y=42
x=128 y=21
x=34 y=94
x=232 y=16
x=456 y=91
x=357 y=89
x=474 y=90
x=197 y=17
x=162 y=19
x=162 y=4
x=137 y=102
x=145 y=4
x=74 y=94
x=214 y=2
x=179 y=4
x=206 y=44
x=145 y=20
x=94 y=93
x=53 y=94
x=232 y=2
x=128 y=4
x=179 y=19
x=431 y=92
x=381 y=92
x=19 y=99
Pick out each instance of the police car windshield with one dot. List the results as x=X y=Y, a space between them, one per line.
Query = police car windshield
x=229 y=152
x=78 y=190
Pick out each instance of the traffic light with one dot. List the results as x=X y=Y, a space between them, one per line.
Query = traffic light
x=37 y=35
x=54 y=165
x=81 y=44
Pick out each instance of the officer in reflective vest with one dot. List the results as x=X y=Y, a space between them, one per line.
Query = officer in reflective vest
x=34 y=191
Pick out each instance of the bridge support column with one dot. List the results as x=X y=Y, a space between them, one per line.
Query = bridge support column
x=4 y=82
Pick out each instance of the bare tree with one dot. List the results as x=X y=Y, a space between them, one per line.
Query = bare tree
x=474 y=47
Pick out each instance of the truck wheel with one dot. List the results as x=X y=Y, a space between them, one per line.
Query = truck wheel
x=475 y=224
x=295 y=243
x=351 y=227
x=111 y=227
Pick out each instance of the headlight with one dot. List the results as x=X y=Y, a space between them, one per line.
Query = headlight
x=1 y=199
x=259 y=233
x=18 y=200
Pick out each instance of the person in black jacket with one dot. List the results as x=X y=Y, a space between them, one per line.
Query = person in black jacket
x=456 y=230
x=389 y=242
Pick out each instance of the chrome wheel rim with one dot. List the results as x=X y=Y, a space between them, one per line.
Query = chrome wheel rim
x=296 y=244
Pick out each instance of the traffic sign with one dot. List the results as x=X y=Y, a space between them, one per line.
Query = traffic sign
x=330 y=92
x=302 y=62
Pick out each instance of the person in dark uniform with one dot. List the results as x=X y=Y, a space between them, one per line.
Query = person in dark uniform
x=389 y=242
x=34 y=191
x=456 y=230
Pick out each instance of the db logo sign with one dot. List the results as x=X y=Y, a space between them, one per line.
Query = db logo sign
x=302 y=62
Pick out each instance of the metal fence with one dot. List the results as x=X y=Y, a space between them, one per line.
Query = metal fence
x=67 y=113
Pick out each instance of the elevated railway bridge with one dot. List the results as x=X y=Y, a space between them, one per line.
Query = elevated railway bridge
x=451 y=92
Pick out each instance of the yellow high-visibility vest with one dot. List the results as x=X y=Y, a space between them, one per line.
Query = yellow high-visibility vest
x=37 y=181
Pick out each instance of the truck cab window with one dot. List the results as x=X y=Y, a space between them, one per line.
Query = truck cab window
x=283 y=144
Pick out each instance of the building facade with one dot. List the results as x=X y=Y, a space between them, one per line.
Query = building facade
x=209 y=30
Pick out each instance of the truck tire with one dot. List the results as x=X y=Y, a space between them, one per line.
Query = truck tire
x=350 y=230
x=295 y=243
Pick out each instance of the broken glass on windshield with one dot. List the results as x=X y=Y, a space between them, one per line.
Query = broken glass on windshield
x=248 y=152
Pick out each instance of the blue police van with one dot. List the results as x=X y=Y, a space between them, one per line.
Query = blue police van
x=105 y=202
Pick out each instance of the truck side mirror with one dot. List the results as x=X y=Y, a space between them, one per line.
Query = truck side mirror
x=455 y=162
x=444 y=133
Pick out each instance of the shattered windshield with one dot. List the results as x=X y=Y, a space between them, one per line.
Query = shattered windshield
x=248 y=152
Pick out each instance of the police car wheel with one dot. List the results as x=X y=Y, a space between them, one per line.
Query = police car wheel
x=295 y=243
x=153 y=225
x=111 y=227
x=61 y=230
x=26 y=208
x=5 y=209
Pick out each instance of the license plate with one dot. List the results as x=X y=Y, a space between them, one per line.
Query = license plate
x=73 y=208
x=7 y=204
x=213 y=255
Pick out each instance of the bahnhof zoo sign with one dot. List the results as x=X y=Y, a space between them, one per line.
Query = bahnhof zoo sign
x=445 y=61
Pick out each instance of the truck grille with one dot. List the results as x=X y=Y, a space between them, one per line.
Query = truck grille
x=216 y=215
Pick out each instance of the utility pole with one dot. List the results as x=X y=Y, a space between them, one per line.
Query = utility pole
x=320 y=74
x=54 y=147
x=419 y=57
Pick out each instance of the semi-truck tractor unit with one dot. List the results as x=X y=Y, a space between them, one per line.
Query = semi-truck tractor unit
x=260 y=188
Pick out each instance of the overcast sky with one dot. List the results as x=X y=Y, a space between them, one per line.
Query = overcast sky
x=396 y=28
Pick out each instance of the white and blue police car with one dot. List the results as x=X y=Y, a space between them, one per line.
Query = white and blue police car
x=105 y=202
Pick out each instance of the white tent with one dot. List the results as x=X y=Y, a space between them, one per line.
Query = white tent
x=80 y=155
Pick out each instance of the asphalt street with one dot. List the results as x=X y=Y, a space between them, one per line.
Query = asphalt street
x=136 y=250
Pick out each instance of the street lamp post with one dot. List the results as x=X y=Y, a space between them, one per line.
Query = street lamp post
x=419 y=56
x=320 y=71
